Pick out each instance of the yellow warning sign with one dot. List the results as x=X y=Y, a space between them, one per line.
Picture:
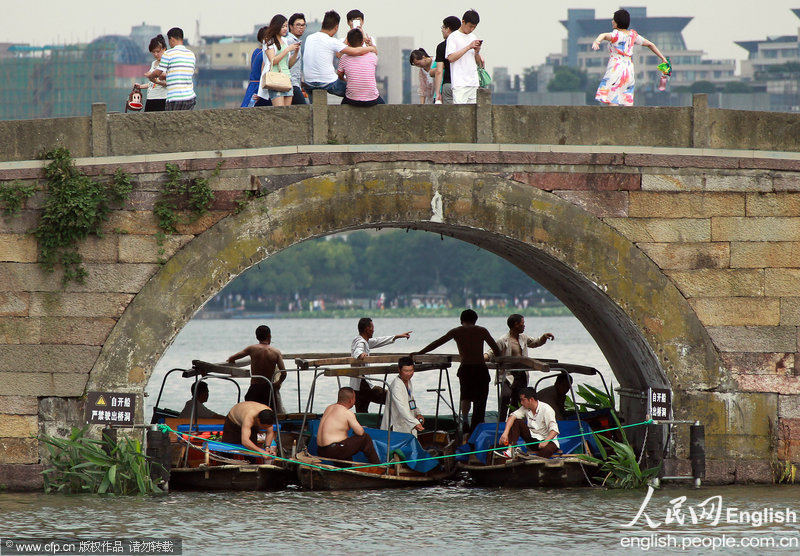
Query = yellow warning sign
x=101 y=401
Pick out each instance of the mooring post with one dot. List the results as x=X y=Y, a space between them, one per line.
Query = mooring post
x=654 y=447
x=697 y=452
x=158 y=450
x=484 y=132
x=319 y=117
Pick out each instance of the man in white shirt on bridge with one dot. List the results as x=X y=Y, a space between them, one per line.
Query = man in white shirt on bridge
x=359 y=349
x=463 y=52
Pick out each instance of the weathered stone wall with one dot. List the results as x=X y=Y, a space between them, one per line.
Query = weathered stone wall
x=128 y=134
x=698 y=250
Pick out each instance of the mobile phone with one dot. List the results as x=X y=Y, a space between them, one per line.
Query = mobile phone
x=356 y=23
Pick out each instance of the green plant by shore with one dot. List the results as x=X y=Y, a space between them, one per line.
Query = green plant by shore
x=83 y=465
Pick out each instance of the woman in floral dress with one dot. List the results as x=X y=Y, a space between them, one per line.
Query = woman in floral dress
x=616 y=87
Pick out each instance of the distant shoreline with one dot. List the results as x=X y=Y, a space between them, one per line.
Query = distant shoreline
x=536 y=311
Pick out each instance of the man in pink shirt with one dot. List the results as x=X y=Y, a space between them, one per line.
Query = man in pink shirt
x=359 y=71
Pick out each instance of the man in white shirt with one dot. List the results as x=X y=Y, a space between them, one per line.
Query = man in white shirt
x=359 y=349
x=533 y=421
x=404 y=414
x=463 y=53
x=297 y=26
x=320 y=50
x=515 y=343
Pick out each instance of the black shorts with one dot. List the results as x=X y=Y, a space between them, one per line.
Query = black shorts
x=474 y=381
x=155 y=105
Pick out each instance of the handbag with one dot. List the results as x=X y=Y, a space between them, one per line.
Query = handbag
x=484 y=79
x=276 y=81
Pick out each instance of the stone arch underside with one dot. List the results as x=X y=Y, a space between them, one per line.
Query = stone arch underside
x=644 y=326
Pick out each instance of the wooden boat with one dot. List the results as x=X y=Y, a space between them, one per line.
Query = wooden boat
x=316 y=473
x=529 y=471
x=247 y=477
x=201 y=464
x=197 y=463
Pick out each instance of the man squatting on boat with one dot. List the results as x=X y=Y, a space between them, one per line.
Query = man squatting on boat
x=243 y=422
x=533 y=421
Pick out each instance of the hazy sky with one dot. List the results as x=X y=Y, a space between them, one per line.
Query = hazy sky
x=518 y=33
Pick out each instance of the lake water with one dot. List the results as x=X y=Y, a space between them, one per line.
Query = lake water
x=452 y=519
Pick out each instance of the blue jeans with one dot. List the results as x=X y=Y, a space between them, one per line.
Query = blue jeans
x=298 y=97
x=336 y=88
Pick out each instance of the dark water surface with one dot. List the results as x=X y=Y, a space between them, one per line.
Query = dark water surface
x=453 y=519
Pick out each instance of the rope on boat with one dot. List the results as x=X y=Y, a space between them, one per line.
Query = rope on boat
x=165 y=428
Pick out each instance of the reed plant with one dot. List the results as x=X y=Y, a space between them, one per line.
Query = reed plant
x=84 y=465
x=619 y=464
x=617 y=459
x=594 y=398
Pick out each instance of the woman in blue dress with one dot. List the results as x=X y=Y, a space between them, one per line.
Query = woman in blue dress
x=256 y=62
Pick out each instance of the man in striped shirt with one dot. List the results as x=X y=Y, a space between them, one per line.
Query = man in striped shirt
x=178 y=64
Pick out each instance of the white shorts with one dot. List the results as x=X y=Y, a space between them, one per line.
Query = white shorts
x=465 y=95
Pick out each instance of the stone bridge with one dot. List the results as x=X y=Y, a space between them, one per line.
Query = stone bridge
x=673 y=234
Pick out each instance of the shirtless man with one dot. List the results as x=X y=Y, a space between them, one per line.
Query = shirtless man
x=473 y=374
x=243 y=422
x=264 y=358
x=332 y=439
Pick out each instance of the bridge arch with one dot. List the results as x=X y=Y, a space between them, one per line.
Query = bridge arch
x=644 y=326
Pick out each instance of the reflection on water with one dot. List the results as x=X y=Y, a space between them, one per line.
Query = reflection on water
x=216 y=340
x=450 y=519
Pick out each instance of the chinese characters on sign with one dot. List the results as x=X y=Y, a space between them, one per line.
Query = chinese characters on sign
x=110 y=408
x=659 y=403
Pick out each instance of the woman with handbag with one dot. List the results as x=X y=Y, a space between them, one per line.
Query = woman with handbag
x=278 y=58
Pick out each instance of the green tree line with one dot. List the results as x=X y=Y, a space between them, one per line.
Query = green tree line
x=396 y=264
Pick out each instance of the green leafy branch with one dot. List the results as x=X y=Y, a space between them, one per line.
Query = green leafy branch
x=196 y=194
x=76 y=207
x=13 y=195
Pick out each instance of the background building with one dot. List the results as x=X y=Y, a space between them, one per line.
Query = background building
x=59 y=81
x=142 y=34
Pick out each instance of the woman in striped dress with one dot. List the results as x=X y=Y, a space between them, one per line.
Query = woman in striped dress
x=617 y=85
